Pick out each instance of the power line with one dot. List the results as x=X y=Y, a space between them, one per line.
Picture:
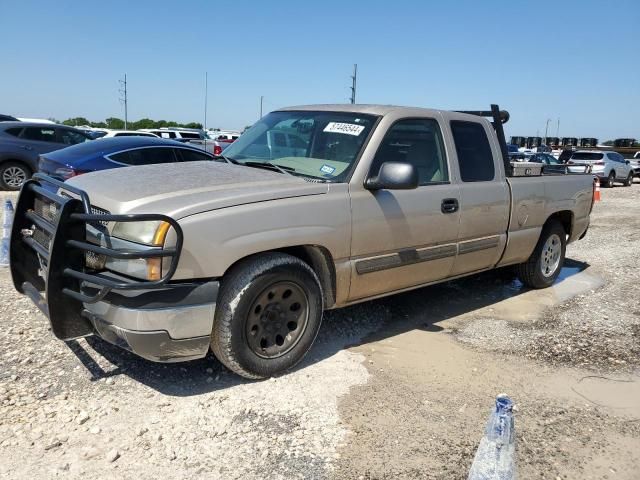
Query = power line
x=123 y=98
x=354 y=79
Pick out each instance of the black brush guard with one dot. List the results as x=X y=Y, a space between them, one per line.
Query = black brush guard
x=57 y=267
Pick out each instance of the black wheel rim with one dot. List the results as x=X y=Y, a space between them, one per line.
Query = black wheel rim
x=277 y=319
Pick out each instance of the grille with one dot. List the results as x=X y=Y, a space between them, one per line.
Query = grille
x=50 y=212
x=47 y=210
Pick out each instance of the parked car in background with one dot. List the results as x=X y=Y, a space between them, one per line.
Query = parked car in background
x=223 y=135
x=126 y=133
x=609 y=167
x=8 y=118
x=550 y=163
x=515 y=155
x=114 y=153
x=22 y=142
x=635 y=164
x=176 y=133
x=545 y=158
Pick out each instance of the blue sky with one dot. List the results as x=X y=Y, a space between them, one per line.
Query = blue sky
x=574 y=60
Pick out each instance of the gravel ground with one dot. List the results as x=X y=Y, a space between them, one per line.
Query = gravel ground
x=396 y=388
x=599 y=329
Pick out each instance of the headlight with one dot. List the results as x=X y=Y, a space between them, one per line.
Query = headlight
x=149 y=234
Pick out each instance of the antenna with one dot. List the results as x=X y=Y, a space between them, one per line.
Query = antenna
x=123 y=98
x=354 y=79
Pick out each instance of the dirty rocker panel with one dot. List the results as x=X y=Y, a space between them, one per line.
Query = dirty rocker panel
x=404 y=258
x=49 y=254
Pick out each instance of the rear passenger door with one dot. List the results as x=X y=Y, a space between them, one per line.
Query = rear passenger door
x=485 y=200
x=40 y=139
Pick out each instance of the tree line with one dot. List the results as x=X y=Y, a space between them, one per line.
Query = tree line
x=118 y=124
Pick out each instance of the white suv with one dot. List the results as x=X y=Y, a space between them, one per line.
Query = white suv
x=609 y=167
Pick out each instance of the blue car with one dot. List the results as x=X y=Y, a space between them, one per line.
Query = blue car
x=116 y=152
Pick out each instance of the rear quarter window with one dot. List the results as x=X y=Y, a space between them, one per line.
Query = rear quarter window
x=474 y=152
x=145 y=156
x=189 y=155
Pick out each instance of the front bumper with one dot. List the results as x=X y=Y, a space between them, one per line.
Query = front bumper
x=51 y=263
x=168 y=325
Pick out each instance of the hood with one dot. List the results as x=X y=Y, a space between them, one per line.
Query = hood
x=182 y=189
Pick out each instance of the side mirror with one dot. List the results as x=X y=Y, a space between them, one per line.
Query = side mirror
x=628 y=162
x=394 y=176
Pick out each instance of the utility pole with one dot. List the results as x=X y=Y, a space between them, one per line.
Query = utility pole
x=546 y=130
x=558 y=128
x=354 y=79
x=261 y=101
x=206 y=81
x=123 y=98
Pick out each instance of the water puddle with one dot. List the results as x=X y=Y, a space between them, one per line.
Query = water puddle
x=520 y=304
x=618 y=393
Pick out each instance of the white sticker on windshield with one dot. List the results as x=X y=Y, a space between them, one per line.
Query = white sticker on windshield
x=346 y=128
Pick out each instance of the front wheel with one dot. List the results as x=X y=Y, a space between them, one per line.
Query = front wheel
x=629 y=180
x=544 y=265
x=267 y=316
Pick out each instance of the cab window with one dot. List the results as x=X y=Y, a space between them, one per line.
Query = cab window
x=418 y=142
x=474 y=152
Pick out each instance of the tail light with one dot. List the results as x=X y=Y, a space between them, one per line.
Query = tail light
x=67 y=172
x=217 y=150
x=599 y=163
x=571 y=162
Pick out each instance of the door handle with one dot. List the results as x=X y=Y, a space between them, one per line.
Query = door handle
x=449 y=205
x=27 y=147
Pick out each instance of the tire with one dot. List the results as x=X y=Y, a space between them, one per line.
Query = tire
x=257 y=296
x=611 y=179
x=13 y=175
x=538 y=273
x=629 y=181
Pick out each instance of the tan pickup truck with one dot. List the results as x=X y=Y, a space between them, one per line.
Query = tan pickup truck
x=313 y=208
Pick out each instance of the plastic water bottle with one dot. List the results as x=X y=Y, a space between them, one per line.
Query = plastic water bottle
x=6 y=233
x=496 y=455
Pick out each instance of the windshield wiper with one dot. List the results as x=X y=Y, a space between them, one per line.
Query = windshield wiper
x=226 y=159
x=271 y=166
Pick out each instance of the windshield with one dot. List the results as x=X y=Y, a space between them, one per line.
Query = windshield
x=587 y=156
x=322 y=145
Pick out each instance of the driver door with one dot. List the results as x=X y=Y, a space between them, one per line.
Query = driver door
x=405 y=238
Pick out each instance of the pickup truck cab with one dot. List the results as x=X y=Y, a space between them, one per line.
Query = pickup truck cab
x=243 y=256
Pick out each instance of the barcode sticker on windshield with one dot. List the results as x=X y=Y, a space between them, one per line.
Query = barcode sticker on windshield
x=346 y=128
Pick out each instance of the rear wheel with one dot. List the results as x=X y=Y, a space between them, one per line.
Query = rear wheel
x=544 y=265
x=13 y=175
x=268 y=314
x=629 y=180
x=611 y=179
